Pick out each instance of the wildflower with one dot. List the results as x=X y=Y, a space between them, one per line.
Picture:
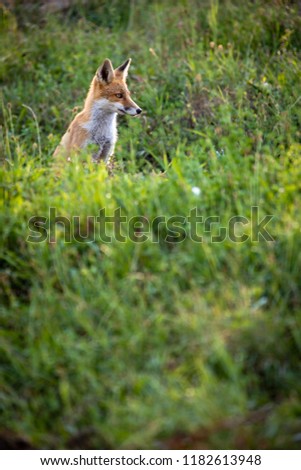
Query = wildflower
x=196 y=191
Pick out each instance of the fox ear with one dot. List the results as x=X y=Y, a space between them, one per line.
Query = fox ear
x=123 y=69
x=105 y=73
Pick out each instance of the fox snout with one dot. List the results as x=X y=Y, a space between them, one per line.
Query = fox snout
x=132 y=111
x=128 y=106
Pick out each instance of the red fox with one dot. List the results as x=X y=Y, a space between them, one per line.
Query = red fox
x=97 y=122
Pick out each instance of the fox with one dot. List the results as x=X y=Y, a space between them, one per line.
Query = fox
x=107 y=97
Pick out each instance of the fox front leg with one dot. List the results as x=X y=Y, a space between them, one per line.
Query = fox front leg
x=104 y=152
x=108 y=150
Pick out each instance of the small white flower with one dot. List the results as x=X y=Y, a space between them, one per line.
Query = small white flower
x=196 y=190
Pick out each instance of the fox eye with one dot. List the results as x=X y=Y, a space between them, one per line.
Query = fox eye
x=119 y=95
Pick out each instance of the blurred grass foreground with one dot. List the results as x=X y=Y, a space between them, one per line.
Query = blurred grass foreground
x=174 y=340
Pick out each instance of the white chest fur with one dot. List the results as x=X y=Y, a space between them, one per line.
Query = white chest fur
x=102 y=128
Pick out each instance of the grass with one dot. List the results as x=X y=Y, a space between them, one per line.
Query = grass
x=168 y=343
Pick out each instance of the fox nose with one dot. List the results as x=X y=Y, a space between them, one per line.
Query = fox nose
x=138 y=110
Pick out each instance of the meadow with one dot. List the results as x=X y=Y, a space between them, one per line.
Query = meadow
x=165 y=341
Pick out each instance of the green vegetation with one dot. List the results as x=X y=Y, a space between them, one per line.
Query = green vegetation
x=154 y=345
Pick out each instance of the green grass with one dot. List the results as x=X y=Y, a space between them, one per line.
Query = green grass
x=167 y=344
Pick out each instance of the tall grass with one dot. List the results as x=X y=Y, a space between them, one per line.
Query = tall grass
x=169 y=342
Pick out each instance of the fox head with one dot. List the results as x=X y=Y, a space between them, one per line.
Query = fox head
x=111 y=90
